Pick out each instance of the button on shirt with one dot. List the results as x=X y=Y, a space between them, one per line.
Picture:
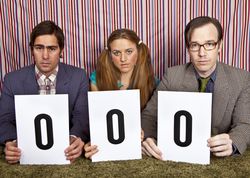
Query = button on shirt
x=47 y=85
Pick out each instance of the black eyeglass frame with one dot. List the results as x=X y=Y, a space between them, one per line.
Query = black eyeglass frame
x=203 y=45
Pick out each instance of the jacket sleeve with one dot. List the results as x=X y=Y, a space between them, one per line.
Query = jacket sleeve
x=240 y=129
x=149 y=114
x=7 y=113
x=79 y=114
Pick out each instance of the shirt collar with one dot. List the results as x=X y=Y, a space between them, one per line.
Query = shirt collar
x=52 y=76
x=212 y=76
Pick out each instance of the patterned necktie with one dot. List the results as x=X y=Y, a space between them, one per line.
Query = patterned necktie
x=47 y=84
x=203 y=84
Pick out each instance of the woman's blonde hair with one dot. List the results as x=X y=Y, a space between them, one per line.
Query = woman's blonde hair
x=107 y=74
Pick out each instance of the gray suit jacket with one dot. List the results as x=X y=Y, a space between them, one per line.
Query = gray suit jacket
x=70 y=80
x=231 y=101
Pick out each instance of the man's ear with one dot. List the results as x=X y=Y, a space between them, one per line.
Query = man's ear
x=61 y=54
x=220 y=43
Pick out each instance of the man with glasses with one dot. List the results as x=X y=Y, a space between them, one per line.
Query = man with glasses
x=46 y=76
x=230 y=88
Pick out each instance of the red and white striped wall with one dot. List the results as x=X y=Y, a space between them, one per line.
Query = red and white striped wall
x=88 y=23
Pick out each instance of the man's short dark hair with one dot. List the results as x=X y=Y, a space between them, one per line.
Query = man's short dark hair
x=199 y=22
x=47 y=28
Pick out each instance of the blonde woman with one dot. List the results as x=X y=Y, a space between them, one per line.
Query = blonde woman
x=124 y=64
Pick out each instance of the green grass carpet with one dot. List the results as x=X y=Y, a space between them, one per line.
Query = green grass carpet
x=238 y=166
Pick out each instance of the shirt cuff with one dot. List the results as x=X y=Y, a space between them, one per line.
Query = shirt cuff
x=73 y=136
x=235 y=150
x=10 y=140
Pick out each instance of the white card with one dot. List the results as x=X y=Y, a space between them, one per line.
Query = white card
x=184 y=125
x=115 y=125
x=42 y=128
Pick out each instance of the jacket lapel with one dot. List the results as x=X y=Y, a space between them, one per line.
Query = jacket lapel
x=30 y=85
x=62 y=80
x=190 y=83
x=220 y=98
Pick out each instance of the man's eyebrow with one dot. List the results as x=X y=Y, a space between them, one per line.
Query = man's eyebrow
x=207 y=41
x=50 y=46
x=211 y=40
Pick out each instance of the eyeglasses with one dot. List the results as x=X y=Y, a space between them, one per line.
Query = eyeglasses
x=207 y=46
x=40 y=48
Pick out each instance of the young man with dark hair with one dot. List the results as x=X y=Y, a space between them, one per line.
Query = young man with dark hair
x=46 y=76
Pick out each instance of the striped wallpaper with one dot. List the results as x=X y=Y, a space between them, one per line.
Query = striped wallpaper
x=87 y=24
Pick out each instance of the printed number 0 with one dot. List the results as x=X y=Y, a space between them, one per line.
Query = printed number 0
x=38 y=133
x=177 y=117
x=120 y=126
